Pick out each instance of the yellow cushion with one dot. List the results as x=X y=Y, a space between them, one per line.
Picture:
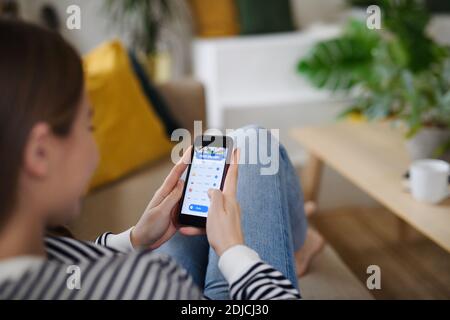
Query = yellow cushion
x=215 y=18
x=128 y=132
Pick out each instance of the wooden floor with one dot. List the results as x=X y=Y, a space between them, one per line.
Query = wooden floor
x=412 y=267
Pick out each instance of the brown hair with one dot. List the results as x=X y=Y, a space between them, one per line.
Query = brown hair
x=41 y=80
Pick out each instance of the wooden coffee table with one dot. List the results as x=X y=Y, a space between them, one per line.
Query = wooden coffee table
x=374 y=158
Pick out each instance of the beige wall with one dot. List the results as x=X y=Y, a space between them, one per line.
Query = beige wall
x=97 y=27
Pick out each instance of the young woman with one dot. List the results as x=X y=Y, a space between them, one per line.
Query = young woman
x=47 y=156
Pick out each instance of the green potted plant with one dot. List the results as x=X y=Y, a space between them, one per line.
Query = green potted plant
x=397 y=73
x=144 y=20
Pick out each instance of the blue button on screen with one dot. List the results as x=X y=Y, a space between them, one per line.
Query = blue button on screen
x=198 y=208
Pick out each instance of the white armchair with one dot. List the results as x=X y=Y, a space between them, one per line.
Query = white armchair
x=256 y=71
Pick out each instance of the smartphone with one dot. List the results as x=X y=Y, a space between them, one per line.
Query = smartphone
x=210 y=159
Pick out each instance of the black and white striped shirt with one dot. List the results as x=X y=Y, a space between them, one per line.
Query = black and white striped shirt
x=107 y=273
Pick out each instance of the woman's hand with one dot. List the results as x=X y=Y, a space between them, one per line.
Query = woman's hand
x=158 y=223
x=223 y=226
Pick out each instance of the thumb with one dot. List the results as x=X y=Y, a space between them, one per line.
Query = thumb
x=173 y=197
x=216 y=197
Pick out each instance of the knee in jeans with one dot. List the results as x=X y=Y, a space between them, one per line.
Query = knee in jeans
x=260 y=146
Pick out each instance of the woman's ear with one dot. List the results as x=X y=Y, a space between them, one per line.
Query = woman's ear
x=37 y=151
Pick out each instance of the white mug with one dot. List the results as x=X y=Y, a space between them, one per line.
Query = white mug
x=429 y=180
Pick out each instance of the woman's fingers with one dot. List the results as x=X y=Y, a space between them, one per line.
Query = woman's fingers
x=223 y=225
x=216 y=198
x=217 y=205
x=166 y=236
x=171 y=200
x=230 y=185
x=176 y=172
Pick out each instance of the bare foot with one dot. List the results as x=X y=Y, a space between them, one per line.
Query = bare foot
x=314 y=243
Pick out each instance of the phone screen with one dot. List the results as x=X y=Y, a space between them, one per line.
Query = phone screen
x=206 y=172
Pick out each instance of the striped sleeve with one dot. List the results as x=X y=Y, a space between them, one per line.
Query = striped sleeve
x=120 y=242
x=252 y=279
x=101 y=240
x=70 y=251
x=141 y=275
x=263 y=282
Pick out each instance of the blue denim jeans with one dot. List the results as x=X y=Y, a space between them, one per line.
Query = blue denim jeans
x=273 y=223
